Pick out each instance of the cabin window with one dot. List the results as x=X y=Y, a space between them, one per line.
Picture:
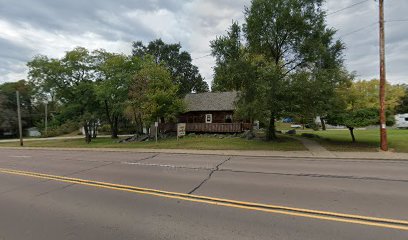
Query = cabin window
x=228 y=118
x=208 y=118
x=406 y=119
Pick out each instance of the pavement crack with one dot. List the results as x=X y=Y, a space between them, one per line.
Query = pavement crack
x=55 y=189
x=217 y=168
x=143 y=159
x=88 y=169
x=24 y=186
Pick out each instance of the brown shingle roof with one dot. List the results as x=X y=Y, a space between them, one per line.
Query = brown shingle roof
x=211 y=101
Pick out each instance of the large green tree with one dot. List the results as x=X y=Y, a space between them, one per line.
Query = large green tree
x=293 y=36
x=70 y=80
x=289 y=53
x=159 y=99
x=183 y=73
x=231 y=67
x=114 y=75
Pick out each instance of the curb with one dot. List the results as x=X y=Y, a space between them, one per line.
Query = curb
x=276 y=154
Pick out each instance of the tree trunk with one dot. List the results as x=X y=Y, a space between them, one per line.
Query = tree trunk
x=323 y=124
x=94 y=129
x=351 y=129
x=271 y=134
x=88 y=138
x=114 y=127
x=112 y=120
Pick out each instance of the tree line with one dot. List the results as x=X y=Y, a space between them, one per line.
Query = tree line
x=88 y=87
x=283 y=60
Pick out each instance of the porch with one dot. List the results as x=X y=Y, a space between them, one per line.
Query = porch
x=208 y=127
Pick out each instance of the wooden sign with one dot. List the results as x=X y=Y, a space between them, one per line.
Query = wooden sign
x=181 y=129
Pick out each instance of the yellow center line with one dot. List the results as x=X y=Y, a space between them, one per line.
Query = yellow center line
x=299 y=212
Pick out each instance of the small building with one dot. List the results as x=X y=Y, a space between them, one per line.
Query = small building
x=33 y=132
x=212 y=112
x=401 y=120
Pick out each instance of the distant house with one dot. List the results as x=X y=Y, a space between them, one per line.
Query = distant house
x=33 y=132
x=212 y=112
x=401 y=120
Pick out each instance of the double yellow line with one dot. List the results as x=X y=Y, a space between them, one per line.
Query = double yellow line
x=299 y=212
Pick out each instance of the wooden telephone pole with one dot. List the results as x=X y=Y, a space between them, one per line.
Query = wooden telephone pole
x=383 y=130
x=20 y=127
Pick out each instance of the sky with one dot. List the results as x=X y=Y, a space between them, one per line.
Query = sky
x=52 y=27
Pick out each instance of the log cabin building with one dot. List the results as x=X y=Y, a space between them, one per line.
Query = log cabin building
x=212 y=112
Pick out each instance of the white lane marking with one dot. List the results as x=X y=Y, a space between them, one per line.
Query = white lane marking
x=22 y=156
x=150 y=164
x=165 y=166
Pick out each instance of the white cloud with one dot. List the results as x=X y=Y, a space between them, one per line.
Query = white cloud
x=51 y=28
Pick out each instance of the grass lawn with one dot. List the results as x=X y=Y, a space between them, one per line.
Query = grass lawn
x=189 y=142
x=367 y=140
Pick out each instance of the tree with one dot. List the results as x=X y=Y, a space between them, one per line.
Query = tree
x=347 y=111
x=403 y=103
x=8 y=106
x=231 y=67
x=365 y=94
x=160 y=99
x=288 y=46
x=115 y=72
x=71 y=81
x=355 y=118
x=183 y=73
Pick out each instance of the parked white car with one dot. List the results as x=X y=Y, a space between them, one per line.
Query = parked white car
x=401 y=120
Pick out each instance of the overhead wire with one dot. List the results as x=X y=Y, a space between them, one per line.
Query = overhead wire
x=202 y=56
x=348 y=7
x=359 y=30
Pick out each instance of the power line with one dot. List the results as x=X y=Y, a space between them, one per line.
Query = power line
x=202 y=56
x=396 y=20
x=359 y=30
x=372 y=24
x=345 y=8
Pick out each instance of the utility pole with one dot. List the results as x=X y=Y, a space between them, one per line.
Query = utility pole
x=20 y=127
x=383 y=130
x=46 y=119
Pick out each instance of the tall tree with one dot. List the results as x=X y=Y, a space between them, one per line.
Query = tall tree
x=231 y=68
x=160 y=99
x=115 y=72
x=71 y=80
x=289 y=47
x=179 y=63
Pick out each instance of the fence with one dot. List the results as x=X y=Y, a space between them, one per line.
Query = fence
x=208 y=127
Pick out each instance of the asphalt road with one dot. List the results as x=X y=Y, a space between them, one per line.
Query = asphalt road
x=60 y=204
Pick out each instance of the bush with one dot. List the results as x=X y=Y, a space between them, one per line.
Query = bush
x=104 y=129
x=65 y=128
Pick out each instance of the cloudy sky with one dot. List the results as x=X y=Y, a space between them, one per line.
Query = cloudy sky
x=51 y=27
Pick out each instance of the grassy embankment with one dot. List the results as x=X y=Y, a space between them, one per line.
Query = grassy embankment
x=188 y=142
